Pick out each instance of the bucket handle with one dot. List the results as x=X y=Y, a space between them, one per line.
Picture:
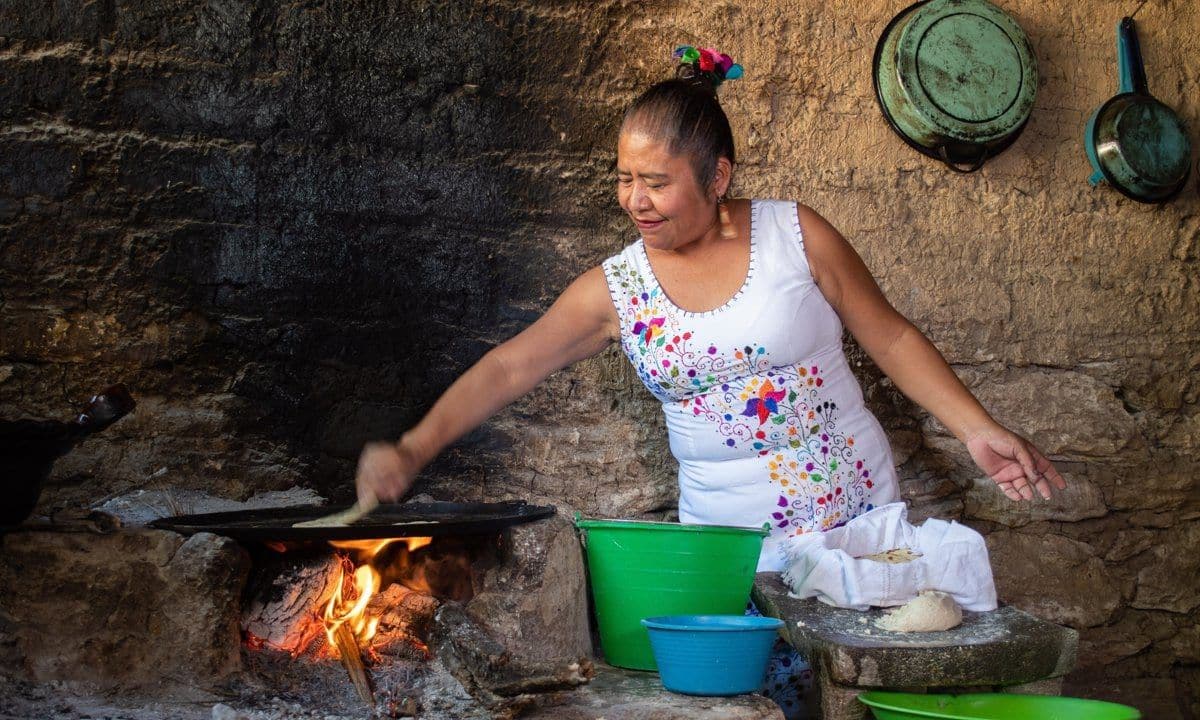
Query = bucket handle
x=945 y=156
x=582 y=532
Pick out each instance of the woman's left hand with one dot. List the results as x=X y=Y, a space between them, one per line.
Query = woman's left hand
x=1014 y=463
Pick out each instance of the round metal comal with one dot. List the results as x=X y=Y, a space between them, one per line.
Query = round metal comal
x=956 y=78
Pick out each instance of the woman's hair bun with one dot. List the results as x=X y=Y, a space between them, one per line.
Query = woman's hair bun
x=705 y=66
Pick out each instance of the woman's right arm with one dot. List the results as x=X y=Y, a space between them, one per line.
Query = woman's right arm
x=580 y=324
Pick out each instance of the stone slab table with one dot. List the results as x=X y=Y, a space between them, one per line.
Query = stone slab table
x=1005 y=650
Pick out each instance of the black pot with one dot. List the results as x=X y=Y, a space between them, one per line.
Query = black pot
x=29 y=448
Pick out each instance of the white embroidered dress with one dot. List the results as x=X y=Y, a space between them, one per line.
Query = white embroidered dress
x=765 y=418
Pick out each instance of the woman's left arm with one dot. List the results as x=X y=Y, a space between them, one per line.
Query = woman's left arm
x=916 y=366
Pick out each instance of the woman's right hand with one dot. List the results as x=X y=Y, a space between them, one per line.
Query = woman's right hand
x=386 y=471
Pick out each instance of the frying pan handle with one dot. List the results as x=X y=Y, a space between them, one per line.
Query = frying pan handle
x=945 y=156
x=1131 y=72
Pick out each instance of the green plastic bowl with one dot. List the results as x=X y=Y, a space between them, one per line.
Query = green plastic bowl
x=992 y=706
x=647 y=569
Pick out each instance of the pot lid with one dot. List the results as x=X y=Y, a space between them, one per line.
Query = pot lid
x=967 y=68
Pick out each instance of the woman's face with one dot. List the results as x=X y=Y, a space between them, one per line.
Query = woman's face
x=660 y=192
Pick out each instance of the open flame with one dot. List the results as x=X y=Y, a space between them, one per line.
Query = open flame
x=356 y=585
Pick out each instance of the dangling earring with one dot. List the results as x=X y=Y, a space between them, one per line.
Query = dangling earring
x=728 y=231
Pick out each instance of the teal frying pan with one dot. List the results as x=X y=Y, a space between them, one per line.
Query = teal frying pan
x=1134 y=142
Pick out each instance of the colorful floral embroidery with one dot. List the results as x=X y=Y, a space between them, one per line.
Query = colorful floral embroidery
x=778 y=412
x=672 y=366
x=648 y=332
x=822 y=483
x=764 y=403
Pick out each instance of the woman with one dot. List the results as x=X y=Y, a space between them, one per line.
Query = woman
x=732 y=312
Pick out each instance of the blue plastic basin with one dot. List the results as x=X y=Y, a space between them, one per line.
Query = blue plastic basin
x=712 y=654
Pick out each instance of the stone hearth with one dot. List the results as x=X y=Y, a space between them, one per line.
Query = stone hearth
x=130 y=622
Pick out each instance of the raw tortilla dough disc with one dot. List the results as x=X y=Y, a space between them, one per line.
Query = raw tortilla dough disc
x=930 y=611
x=895 y=556
x=349 y=516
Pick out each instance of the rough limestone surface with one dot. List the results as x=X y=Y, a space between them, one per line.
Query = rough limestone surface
x=525 y=630
x=134 y=610
x=1087 y=593
x=535 y=600
x=288 y=226
x=1082 y=500
x=1131 y=634
x=1169 y=581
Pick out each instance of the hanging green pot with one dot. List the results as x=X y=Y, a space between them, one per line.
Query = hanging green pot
x=956 y=79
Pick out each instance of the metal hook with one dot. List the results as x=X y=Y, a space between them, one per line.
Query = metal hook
x=1139 y=7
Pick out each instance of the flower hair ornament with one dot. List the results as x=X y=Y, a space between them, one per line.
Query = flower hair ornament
x=707 y=64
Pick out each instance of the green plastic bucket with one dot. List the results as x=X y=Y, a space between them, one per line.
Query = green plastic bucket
x=649 y=569
x=992 y=706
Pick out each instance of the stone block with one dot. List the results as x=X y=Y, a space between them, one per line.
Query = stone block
x=535 y=599
x=525 y=631
x=1130 y=543
x=1158 y=519
x=1131 y=634
x=1186 y=645
x=838 y=702
x=70 y=20
x=1162 y=483
x=1053 y=577
x=48 y=81
x=134 y=610
x=1175 y=557
x=33 y=165
x=1156 y=698
x=1068 y=414
x=1188 y=682
x=1049 y=686
x=203 y=181
x=1081 y=500
x=208 y=416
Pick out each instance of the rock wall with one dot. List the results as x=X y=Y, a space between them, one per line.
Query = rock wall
x=288 y=226
x=140 y=611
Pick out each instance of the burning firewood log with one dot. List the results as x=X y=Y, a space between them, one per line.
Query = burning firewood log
x=351 y=657
x=286 y=597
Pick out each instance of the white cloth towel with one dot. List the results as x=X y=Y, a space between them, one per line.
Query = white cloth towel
x=831 y=567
